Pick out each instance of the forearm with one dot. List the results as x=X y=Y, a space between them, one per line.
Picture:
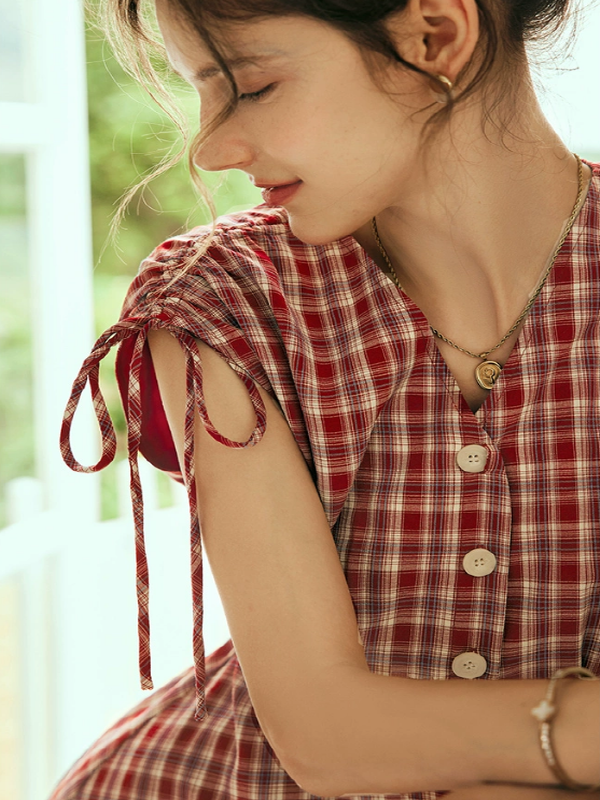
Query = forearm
x=383 y=734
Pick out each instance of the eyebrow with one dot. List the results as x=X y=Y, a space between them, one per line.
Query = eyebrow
x=211 y=70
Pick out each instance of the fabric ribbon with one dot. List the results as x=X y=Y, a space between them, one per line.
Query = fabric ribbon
x=138 y=328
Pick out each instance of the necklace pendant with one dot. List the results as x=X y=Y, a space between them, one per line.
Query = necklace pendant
x=486 y=373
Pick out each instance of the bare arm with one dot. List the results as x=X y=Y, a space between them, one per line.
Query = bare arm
x=406 y=735
x=270 y=549
x=336 y=727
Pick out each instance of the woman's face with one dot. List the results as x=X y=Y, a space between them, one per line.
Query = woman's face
x=322 y=121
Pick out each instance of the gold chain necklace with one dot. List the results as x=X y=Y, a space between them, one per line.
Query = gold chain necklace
x=486 y=373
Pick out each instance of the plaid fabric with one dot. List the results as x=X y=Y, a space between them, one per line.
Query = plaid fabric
x=379 y=419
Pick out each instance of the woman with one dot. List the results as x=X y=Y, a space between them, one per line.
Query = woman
x=380 y=388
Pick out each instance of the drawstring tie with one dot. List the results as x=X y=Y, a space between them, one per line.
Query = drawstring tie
x=90 y=370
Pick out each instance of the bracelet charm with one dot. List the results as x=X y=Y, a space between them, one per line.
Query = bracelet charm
x=545 y=712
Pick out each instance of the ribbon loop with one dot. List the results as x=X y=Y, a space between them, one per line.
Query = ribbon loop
x=138 y=327
x=90 y=372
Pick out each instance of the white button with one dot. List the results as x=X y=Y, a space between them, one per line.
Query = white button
x=472 y=458
x=479 y=562
x=469 y=665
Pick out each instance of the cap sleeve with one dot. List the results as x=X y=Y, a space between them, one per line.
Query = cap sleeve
x=167 y=295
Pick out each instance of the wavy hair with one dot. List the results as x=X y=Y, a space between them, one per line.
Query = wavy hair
x=506 y=27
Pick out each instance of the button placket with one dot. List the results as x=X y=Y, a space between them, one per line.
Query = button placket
x=477 y=496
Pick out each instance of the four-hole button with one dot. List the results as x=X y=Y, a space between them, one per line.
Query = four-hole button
x=469 y=665
x=479 y=562
x=472 y=458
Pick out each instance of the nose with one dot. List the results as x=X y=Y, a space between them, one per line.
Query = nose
x=225 y=148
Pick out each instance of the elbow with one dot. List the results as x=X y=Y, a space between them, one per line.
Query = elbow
x=308 y=773
x=317 y=754
x=315 y=782
x=316 y=746
x=314 y=774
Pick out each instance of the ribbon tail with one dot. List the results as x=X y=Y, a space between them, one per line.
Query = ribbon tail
x=195 y=536
x=134 y=434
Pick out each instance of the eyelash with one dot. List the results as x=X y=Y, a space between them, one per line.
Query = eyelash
x=252 y=97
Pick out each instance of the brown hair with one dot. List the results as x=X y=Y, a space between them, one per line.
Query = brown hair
x=505 y=25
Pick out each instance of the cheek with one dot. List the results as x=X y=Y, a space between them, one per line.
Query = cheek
x=324 y=130
x=295 y=133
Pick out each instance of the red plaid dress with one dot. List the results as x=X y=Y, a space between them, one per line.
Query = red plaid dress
x=483 y=559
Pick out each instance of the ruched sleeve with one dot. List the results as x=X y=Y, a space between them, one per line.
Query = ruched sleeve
x=203 y=302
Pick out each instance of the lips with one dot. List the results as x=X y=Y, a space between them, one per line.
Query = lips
x=278 y=195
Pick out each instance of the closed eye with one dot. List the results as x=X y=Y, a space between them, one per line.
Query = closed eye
x=252 y=97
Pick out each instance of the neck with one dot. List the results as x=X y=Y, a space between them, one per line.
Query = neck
x=474 y=237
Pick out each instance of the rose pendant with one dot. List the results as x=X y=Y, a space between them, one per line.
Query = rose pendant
x=486 y=373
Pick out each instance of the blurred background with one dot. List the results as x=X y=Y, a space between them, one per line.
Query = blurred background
x=75 y=133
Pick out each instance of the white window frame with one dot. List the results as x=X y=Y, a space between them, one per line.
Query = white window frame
x=50 y=131
x=75 y=574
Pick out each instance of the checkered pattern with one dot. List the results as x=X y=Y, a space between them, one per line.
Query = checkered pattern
x=379 y=420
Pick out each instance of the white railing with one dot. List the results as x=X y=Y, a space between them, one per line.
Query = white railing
x=77 y=615
x=50 y=515
x=69 y=617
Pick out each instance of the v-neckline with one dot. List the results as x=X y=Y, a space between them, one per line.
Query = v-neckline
x=385 y=282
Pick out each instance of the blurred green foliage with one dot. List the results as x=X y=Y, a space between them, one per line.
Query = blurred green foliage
x=16 y=406
x=128 y=135
x=12 y=186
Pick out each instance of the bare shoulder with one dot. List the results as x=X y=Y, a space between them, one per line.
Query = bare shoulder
x=226 y=397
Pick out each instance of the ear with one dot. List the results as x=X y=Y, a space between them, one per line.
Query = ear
x=438 y=36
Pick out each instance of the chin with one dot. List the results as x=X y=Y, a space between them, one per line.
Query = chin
x=313 y=233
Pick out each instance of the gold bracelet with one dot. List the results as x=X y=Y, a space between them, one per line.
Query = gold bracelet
x=545 y=712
